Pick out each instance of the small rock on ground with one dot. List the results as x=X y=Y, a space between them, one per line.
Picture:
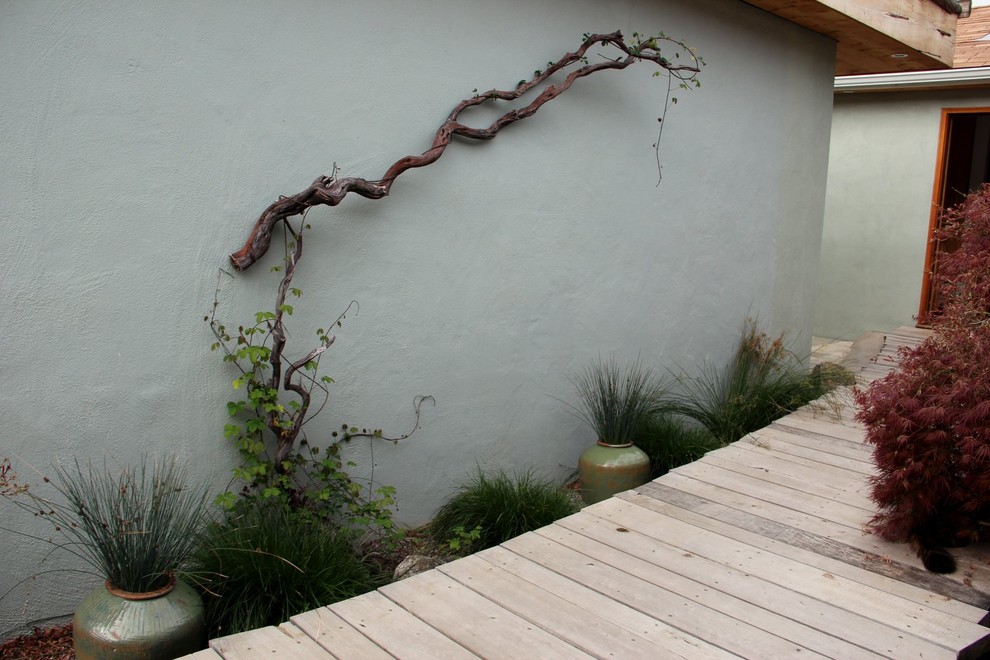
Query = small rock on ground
x=414 y=564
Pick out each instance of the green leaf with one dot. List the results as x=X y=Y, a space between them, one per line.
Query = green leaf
x=255 y=425
x=225 y=500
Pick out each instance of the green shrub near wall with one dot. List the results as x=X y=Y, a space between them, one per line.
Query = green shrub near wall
x=499 y=507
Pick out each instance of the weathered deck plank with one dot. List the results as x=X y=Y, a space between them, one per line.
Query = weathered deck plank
x=780 y=439
x=819 y=507
x=475 y=622
x=822 y=483
x=828 y=430
x=821 y=552
x=397 y=631
x=809 y=624
x=831 y=591
x=285 y=641
x=854 y=536
x=558 y=615
x=756 y=550
x=205 y=654
x=762 y=444
x=337 y=636
x=836 y=480
x=660 y=593
x=677 y=643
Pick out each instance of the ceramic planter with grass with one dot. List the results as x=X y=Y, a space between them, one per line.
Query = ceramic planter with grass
x=136 y=528
x=164 y=623
x=613 y=401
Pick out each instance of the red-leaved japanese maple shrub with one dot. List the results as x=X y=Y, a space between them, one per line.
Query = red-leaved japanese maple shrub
x=929 y=420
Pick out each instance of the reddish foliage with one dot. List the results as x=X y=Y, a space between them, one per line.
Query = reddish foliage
x=963 y=279
x=929 y=420
x=42 y=644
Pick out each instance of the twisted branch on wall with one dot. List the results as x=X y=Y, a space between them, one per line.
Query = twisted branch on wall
x=290 y=376
x=330 y=190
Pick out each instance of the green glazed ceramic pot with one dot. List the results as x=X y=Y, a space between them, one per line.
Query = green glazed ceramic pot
x=605 y=470
x=166 y=623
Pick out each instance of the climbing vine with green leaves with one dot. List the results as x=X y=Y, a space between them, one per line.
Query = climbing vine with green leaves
x=275 y=399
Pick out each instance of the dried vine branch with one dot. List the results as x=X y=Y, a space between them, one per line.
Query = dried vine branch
x=330 y=191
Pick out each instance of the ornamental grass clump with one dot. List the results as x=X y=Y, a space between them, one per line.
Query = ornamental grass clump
x=763 y=382
x=613 y=400
x=136 y=527
x=929 y=419
x=492 y=508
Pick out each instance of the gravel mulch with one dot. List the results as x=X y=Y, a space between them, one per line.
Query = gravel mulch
x=43 y=643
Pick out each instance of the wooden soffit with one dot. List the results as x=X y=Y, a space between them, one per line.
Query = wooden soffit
x=877 y=36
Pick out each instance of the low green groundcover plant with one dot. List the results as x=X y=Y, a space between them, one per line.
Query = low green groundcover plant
x=671 y=442
x=491 y=508
x=266 y=563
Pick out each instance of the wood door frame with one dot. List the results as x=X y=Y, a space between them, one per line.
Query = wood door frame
x=938 y=199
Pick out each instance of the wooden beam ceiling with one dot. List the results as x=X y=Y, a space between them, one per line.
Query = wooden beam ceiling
x=869 y=32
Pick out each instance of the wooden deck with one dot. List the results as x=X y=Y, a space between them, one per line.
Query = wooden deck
x=757 y=550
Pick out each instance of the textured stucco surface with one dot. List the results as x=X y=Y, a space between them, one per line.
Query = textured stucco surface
x=884 y=148
x=141 y=139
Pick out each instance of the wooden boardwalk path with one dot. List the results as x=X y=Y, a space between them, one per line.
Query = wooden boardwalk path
x=757 y=550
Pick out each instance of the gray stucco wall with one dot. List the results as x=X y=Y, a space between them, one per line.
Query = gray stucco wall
x=141 y=139
x=878 y=203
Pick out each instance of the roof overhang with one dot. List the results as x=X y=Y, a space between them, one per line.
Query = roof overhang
x=878 y=36
x=914 y=81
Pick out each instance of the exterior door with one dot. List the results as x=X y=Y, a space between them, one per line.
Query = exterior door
x=963 y=166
